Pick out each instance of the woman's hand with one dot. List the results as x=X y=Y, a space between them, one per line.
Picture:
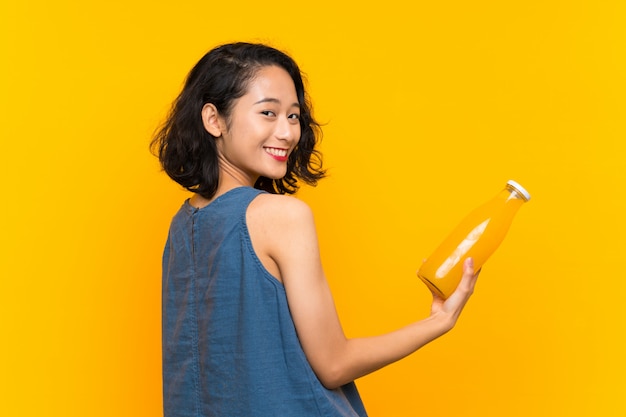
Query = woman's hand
x=451 y=307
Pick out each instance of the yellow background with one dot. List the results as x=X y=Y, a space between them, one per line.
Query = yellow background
x=429 y=109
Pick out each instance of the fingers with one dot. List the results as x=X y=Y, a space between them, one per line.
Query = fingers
x=468 y=276
x=468 y=266
x=454 y=305
x=466 y=287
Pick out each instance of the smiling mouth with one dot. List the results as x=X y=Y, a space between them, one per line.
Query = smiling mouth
x=280 y=153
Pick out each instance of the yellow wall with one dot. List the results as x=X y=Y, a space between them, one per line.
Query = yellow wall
x=429 y=110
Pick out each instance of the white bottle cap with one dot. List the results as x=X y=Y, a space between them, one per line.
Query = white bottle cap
x=519 y=188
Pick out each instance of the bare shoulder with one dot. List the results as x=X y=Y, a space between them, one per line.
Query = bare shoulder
x=281 y=228
x=281 y=209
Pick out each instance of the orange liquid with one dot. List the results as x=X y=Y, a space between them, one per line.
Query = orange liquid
x=477 y=236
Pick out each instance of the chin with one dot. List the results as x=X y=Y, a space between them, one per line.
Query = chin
x=276 y=175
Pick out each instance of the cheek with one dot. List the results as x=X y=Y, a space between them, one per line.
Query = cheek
x=298 y=133
x=254 y=131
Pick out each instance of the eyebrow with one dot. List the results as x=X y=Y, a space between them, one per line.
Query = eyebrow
x=275 y=100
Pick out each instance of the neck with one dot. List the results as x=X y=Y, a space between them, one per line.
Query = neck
x=231 y=176
x=229 y=179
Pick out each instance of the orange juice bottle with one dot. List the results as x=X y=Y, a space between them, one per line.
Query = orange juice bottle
x=477 y=236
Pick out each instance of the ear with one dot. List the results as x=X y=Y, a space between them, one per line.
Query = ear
x=211 y=120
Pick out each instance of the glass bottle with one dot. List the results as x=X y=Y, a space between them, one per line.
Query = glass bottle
x=477 y=236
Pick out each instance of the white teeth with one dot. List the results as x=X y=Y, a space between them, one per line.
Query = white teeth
x=276 y=152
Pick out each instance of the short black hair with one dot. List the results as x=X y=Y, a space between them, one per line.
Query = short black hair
x=188 y=153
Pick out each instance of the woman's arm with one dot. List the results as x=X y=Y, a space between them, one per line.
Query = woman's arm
x=288 y=238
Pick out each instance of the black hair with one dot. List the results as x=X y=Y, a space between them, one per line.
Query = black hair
x=188 y=153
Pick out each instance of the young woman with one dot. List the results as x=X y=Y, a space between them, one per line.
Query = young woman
x=249 y=323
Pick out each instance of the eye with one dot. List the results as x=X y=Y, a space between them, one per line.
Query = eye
x=294 y=116
x=268 y=113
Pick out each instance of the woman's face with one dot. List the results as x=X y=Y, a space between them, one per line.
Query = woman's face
x=263 y=129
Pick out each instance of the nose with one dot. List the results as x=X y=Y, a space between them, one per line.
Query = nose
x=287 y=129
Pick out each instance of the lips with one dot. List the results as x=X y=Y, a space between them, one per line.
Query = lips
x=277 y=153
